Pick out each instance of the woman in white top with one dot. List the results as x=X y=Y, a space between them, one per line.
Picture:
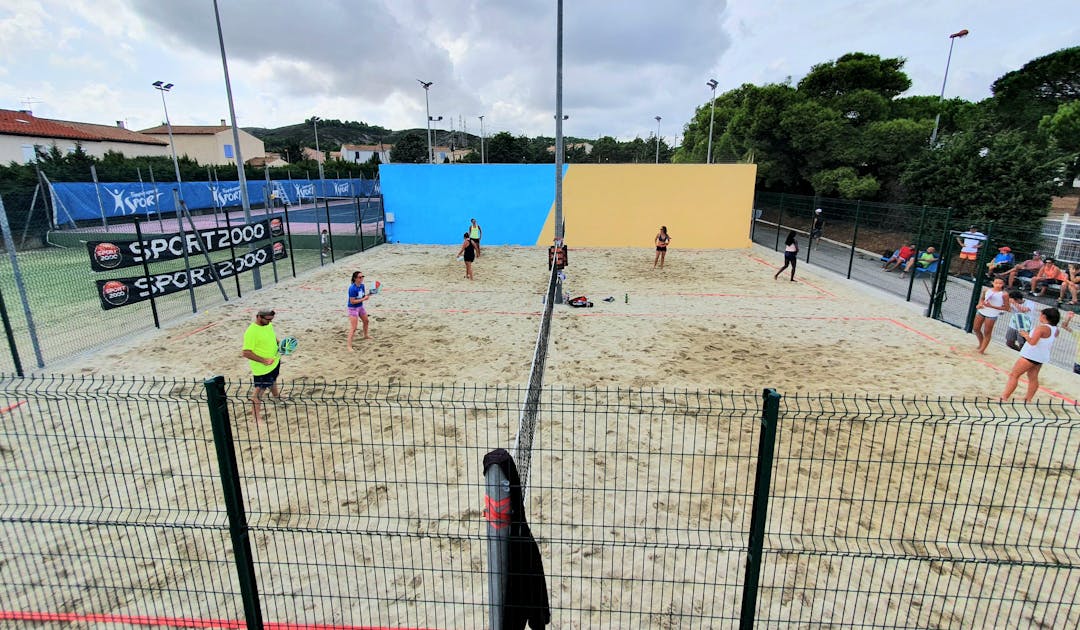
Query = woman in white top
x=1035 y=352
x=993 y=302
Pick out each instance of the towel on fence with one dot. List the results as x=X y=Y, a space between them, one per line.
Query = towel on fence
x=526 y=598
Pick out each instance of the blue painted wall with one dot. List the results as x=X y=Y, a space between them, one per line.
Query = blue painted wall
x=432 y=203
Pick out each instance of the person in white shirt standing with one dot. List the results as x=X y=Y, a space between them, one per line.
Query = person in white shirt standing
x=969 y=242
x=1034 y=354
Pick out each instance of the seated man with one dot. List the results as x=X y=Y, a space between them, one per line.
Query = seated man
x=924 y=260
x=1026 y=269
x=901 y=258
x=1002 y=262
x=1048 y=274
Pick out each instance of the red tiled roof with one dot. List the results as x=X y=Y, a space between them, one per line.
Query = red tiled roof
x=366 y=147
x=18 y=123
x=187 y=130
x=113 y=133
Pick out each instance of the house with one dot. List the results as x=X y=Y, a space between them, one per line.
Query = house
x=21 y=131
x=312 y=154
x=209 y=144
x=360 y=153
x=272 y=160
x=448 y=154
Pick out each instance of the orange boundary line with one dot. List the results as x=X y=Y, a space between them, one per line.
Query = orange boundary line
x=996 y=368
x=175 y=622
x=772 y=266
x=196 y=331
x=15 y=406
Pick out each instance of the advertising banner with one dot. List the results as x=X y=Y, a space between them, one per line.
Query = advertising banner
x=126 y=291
x=110 y=255
x=80 y=201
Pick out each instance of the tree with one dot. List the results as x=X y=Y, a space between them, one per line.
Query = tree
x=410 y=149
x=1023 y=97
x=854 y=72
x=986 y=175
x=505 y=148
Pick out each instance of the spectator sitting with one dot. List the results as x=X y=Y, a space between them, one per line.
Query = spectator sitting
x=1047 y=274
x=1002 y=262
x=1070 y=282
x=924 y=260
x=900 y=258
x=1026 y=269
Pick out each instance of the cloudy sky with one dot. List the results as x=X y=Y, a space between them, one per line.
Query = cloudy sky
x=625 y=61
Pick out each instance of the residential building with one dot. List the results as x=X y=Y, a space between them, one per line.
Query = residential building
x=21 y=131
x=360 y=153
x=209 y=144
x=273 y=160
x=574 y=145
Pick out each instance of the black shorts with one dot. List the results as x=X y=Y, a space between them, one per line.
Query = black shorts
x=660 y=248
x=266 y=381
x=791 y=256
x=1025 y=273
x=475 y=241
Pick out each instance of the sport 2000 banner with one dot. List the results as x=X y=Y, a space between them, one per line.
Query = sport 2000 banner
x=124 y=291
x=110 y=255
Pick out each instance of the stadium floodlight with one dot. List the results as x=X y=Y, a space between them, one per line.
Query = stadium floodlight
x=657 y=139
x=481 y=139
x=937 y=119
x=712 y=116
x=427 y=105
x=163 y=87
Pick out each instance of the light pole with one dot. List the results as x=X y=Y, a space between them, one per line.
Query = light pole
x=712 y=116
x=657 y=139
x=427 y=105
x=433 y=139
x=482 y=140
x=318 y=153
x=937 y=119
x=163 y=87
x=245 y=200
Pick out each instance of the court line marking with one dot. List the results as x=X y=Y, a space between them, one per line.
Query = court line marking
x=14 y=406
x=772 y=266
x=997 y=368
x=196 y=331
x=174 y=622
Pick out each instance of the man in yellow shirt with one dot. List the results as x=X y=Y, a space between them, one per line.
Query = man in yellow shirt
x=261 y=351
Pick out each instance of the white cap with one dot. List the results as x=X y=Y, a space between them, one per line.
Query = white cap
x=818 y=211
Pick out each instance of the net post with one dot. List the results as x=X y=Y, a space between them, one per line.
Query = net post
x=979 y=276
x=217 y=403
x=146 y=274
x=918 y=248
x=10 y=333
x=854 y=239
x=329 y=232
x=779 y=221
x=497 y=514
x=770 y=411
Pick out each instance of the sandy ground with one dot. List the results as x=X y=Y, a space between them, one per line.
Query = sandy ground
x=643 y=497
x=709 y=319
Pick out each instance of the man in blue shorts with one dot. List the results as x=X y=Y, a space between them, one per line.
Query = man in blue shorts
x=261 y=351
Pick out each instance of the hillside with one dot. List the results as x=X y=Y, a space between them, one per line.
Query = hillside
x=334 y=133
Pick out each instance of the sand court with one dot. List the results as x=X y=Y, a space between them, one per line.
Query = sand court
x=711 y=319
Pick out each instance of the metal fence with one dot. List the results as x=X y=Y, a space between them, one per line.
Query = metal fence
x=359 y=505
x=53 y=304
x=859 y=235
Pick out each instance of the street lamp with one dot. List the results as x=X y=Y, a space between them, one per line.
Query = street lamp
x=937 y=119
x=318 y=153
x=657 y=139
x=712 y=116
x=427 y=104
x=163 y=87
x=482 y=140
x=433 y=140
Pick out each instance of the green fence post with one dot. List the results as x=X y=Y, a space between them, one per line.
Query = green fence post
x=980 y=275
x=854 y=238
x=218 y=404
x=941 y=279
x=918 y=248
x=770 y=411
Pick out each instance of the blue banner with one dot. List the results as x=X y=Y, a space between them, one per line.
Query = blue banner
x=80 y=202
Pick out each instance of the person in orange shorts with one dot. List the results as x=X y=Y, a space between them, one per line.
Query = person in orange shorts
x=969 y=242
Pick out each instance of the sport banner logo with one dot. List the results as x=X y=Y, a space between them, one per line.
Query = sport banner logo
x=109 y=255
x=124 y=291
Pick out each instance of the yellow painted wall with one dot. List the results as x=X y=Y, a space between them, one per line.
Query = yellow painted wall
x=704 y=206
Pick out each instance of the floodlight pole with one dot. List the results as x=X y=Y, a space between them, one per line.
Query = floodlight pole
x=482 y=140
x=657 y=139
x=559 y=230
x=163 y=87
x=427 y=105
x=712 y=117
x=941 y=99
x=245 y=202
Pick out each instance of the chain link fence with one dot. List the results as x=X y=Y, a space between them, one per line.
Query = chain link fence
x=360 y=505
x=54 y=299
